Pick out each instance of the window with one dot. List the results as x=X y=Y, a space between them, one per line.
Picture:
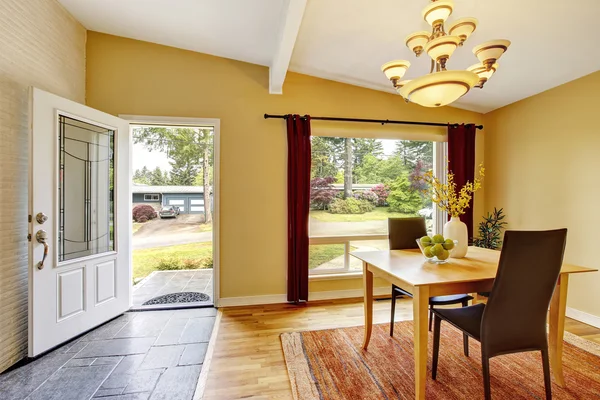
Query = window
x=151 y=197
x=85 y=189
x=356 y=185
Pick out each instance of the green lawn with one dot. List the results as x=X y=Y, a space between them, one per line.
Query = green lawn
x=136 y=227
x=320 y=254
x=379 y=213
x=146 y=260
x=205 y=227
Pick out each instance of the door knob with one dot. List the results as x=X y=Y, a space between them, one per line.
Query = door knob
x=42 y=237
x=41 y=218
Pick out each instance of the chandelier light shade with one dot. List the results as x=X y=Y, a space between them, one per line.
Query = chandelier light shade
x=416 y=41
x=490 y=52
x=482 y=72
x=441 y=86
x=438 y=11
x=442 y=47
x=395 y=70
x=463 y=28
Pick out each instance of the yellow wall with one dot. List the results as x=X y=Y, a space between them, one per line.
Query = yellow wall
x=542 y=159
x=41 y=45
x=131 y=77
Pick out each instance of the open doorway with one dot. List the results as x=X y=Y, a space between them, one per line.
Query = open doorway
x=173 y=214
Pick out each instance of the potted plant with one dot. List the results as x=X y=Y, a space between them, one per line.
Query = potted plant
x=447 y=198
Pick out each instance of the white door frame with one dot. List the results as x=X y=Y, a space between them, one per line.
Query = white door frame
x=216 y=124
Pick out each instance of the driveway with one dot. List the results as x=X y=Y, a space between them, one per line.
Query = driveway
x=169 y=232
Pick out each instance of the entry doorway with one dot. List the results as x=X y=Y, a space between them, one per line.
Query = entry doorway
x=175 y=212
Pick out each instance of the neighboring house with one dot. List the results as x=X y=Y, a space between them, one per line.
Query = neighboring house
x=189 y=199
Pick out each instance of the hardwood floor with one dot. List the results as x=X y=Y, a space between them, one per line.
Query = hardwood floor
x=248 y=361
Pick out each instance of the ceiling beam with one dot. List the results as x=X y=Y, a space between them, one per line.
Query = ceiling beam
x=291 y=19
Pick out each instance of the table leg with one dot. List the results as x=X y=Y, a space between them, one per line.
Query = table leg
x=420 y=308
x=368 y=289
x=558 y=307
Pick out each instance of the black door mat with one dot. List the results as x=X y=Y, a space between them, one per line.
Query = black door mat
x=177 y=298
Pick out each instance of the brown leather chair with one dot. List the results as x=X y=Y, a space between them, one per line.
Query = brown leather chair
x=514 y=319
x=403 y=233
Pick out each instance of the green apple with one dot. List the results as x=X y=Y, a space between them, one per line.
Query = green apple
x=427 y=252
x=437 y=249
x=425 y=241
x=448 y=244
x=438 y=239
x=443 y=255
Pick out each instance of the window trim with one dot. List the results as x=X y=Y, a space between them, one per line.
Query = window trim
x=146 y=195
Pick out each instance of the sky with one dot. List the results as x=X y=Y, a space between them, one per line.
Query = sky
x=150 y=159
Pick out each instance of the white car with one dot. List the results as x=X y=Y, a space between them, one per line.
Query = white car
x=426 y=212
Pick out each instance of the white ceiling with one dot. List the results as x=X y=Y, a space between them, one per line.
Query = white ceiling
x=553 y=42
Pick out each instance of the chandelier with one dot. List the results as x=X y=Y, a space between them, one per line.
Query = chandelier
x=441 y=86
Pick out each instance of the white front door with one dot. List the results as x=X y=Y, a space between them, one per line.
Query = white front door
x=80 y=207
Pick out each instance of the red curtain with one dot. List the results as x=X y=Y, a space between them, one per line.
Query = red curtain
x=461 y=161
x=298 y=134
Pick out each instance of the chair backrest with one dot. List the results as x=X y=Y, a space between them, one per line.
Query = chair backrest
x=404 y=231
x=515 y=315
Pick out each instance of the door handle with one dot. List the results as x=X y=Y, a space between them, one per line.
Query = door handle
x=42 y=237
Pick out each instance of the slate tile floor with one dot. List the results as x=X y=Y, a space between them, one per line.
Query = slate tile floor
x=165 y=282
x=149 y=355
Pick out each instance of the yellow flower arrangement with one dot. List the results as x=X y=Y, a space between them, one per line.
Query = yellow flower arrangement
x=445 y=195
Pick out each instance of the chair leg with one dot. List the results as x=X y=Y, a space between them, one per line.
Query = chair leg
x=485 y=364
x=393 y=312
x=430 y=317
x=547 y=379
x=437 y=321
x=465 y=336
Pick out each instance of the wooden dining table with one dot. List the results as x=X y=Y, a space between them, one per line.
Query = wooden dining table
x=409 y=270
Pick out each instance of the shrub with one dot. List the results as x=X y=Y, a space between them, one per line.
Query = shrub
x=321 y=192
x=175 y=264
x=403 y=198
x=143 y=210
x=142 y=219
x=382 y=191
x=350 y=206
x=367 y=195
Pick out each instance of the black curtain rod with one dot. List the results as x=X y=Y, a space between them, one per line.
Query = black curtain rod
x=378 y=121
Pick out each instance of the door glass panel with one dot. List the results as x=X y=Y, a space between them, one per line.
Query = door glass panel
x=85 y=187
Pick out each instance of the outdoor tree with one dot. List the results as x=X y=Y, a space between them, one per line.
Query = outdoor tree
x=158 y=177
x=323 y=158
x=368 y=171
x=366 y=147
x=410 y=151
x=390 y=169
x=142 y=176
x=348 y=164
x=402 y=197
x=322 y=192
x=189 y=151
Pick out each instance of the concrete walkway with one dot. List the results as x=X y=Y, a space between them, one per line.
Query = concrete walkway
x=165 y=282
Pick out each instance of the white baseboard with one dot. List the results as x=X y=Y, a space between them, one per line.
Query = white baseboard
x=584 y=317
x=312 y=296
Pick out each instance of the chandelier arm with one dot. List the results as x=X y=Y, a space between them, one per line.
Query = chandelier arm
x=432 y=66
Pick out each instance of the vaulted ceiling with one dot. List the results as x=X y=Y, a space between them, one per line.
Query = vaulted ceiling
x=553 y=42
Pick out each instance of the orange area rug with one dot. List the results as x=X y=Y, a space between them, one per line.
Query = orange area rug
x=330 y=364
